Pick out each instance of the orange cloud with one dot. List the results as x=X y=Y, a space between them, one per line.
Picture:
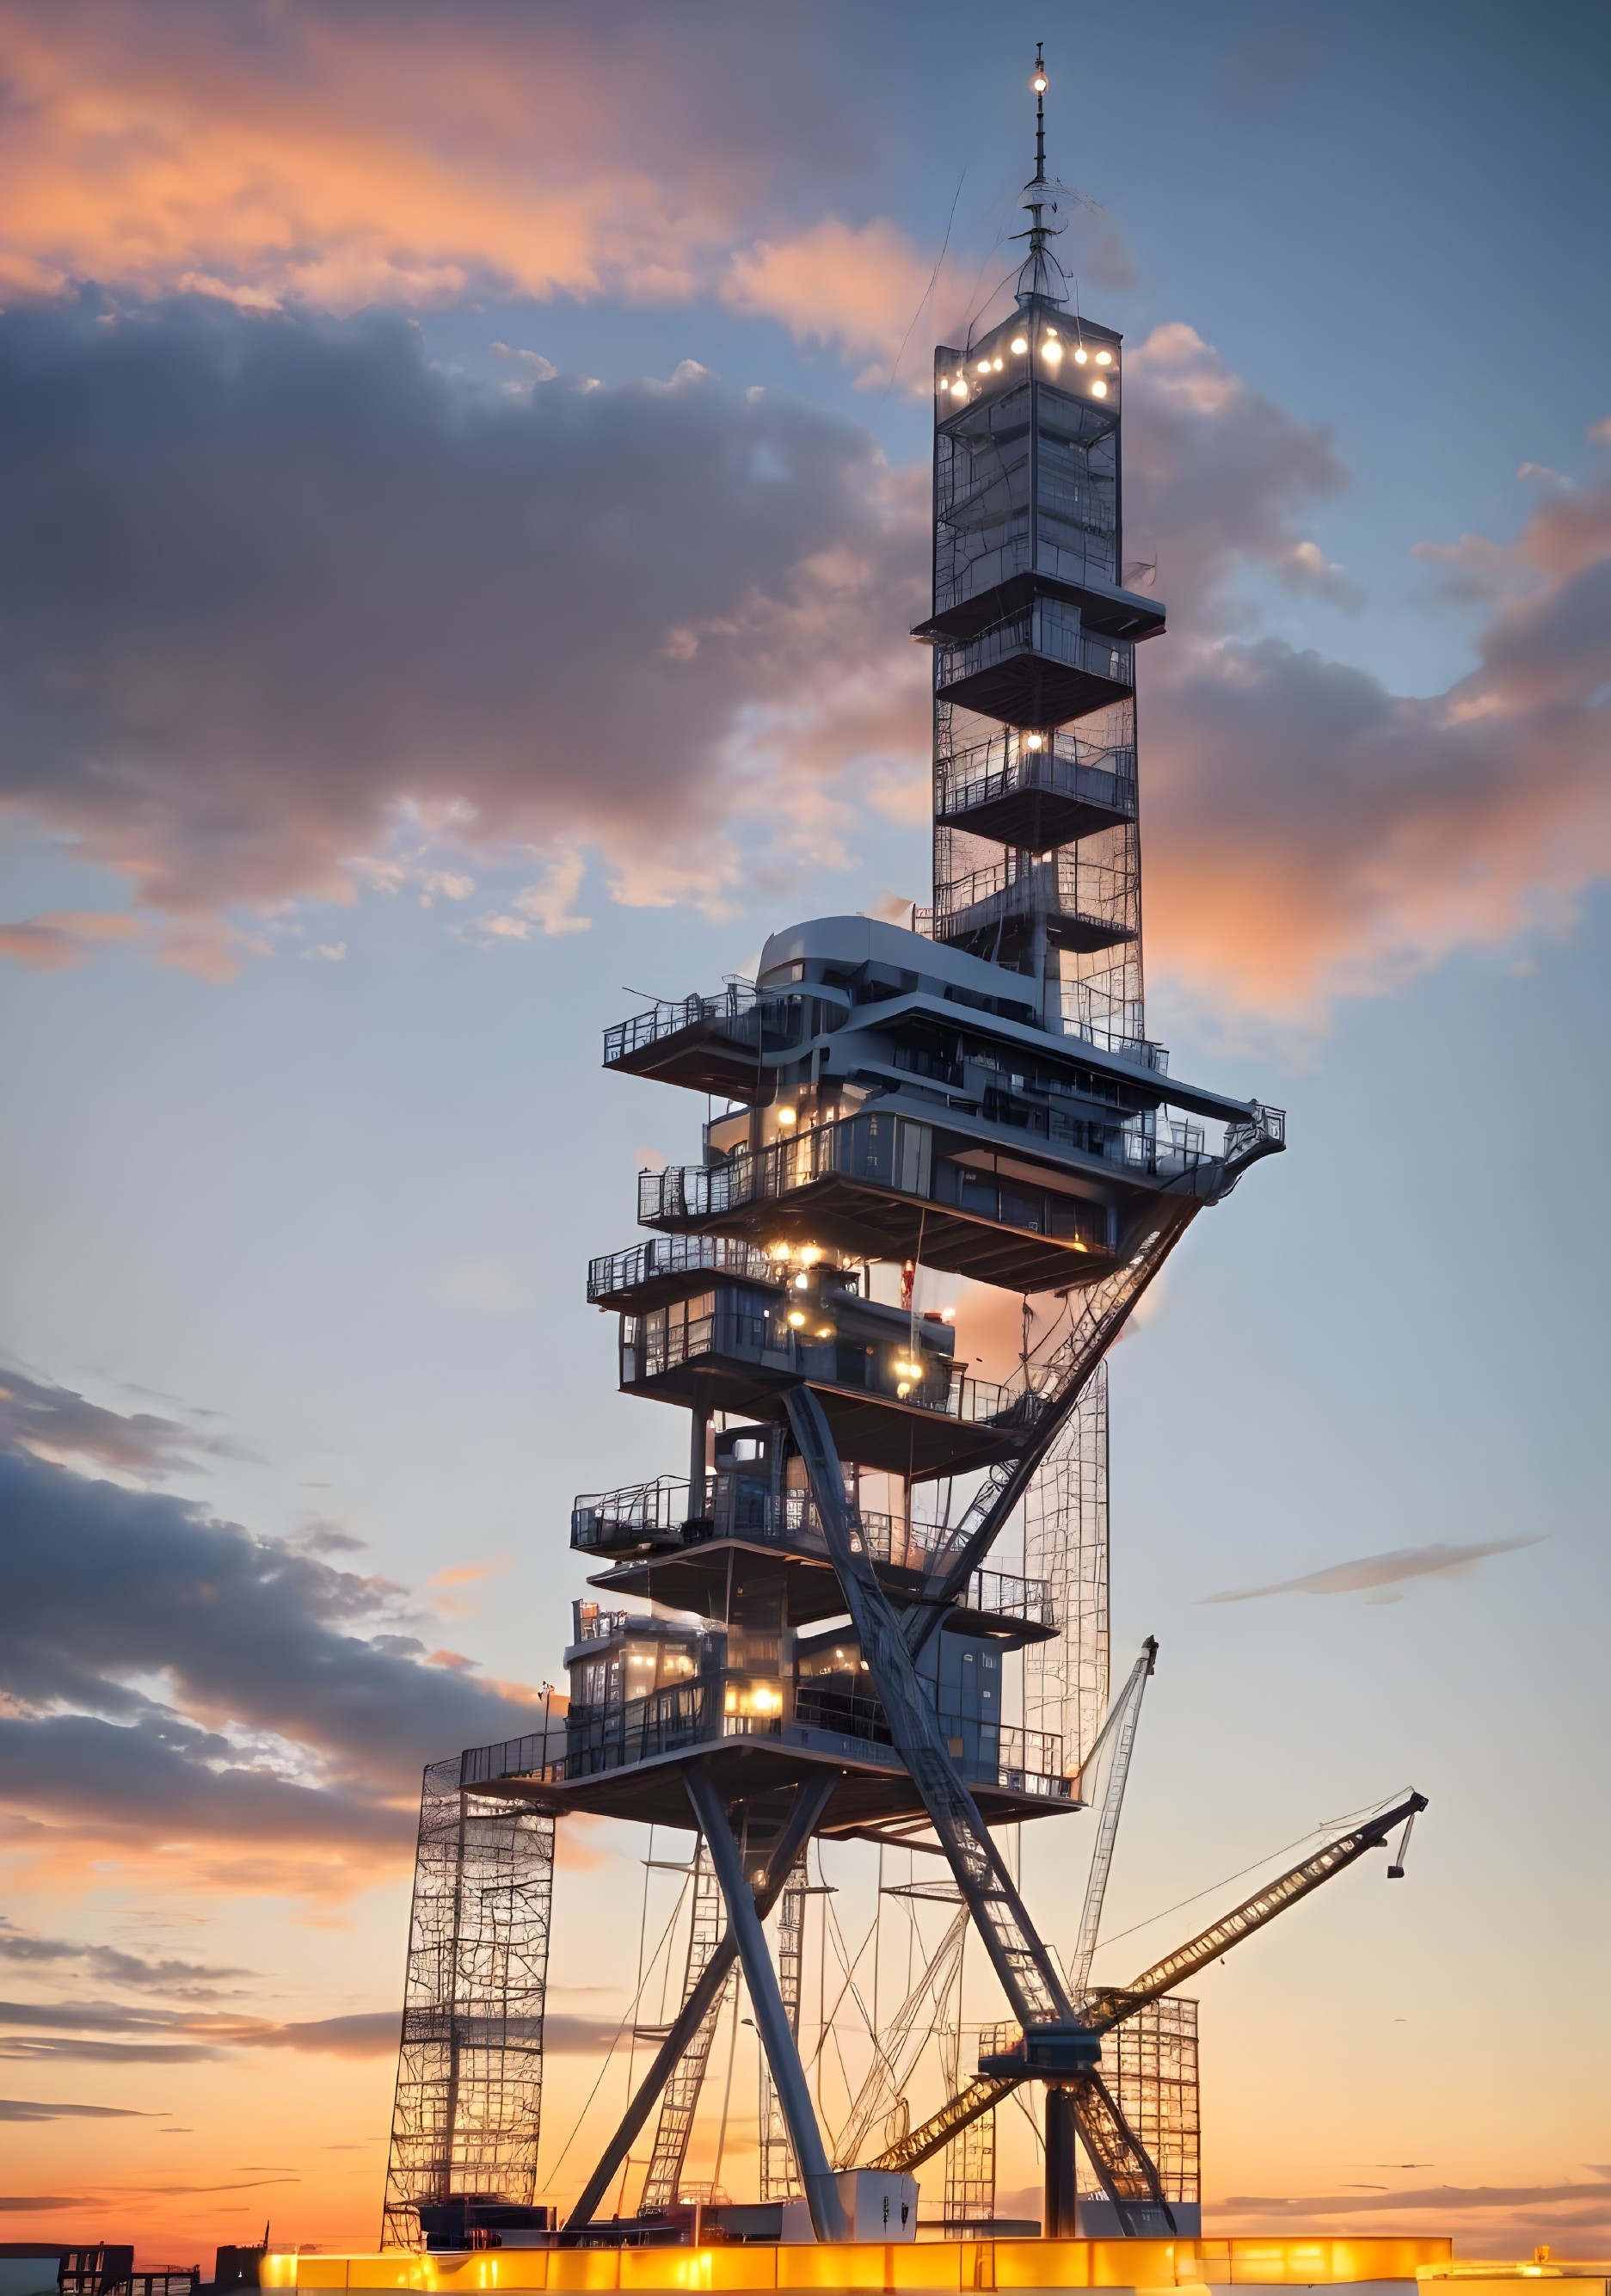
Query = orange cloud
x=346 y=155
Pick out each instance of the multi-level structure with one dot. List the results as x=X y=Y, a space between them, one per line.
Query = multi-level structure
x=802 y=1634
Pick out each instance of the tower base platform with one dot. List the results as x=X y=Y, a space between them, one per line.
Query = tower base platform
x=949 y=2267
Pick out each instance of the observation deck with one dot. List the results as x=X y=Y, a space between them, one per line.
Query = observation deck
x=1036 y=791
x=895 y=1401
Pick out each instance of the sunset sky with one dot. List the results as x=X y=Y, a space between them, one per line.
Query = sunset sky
x=465 y=467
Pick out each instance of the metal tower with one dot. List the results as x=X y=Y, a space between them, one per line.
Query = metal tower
x=802 y=1634
x=469 y=2073
x=978 y=1098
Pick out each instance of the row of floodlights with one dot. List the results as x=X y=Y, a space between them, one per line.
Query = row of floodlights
x=1053 y=352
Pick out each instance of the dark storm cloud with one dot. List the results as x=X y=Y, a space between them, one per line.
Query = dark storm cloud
x=172 y=1681
x=262 y=577
x=107 y=1585
x=37 y=1415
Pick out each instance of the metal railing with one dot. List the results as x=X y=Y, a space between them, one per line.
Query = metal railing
x=687 y=1714
x=734 y=1013
x=666 y=1256
x=1101 y=895
x=653 y=1344
x=1060 y=764
x=1004 y=1595
x=590 y=1624
x=638 y=1511
x=1047 y=629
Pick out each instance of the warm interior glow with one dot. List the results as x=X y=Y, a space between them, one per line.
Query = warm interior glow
x=796 y=1318
x=1099 y=389
x=1019 y=344
x=1037 y=741
x=1053 y=351
x=1053 y=2265
x=1081 y=356
x=800 y=1282
x=959 y=389
x=984 y=366
x=1104 y=358
x=788 y=1115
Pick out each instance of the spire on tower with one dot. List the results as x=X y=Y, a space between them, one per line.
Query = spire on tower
x=1040 y=276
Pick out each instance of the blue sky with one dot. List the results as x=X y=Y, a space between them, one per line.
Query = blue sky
x=341 y=659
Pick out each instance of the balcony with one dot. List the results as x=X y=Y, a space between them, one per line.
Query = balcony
x=812 y=1716
x=670 y=1268
x=656 y=1519
x=1039 y=668
x=708 y=1044
x=890 y=1408
x=873 y=1188
x=1086 y=904
x=1037 y=790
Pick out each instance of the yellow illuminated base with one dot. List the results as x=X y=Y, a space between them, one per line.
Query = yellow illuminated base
x=1023 y=2266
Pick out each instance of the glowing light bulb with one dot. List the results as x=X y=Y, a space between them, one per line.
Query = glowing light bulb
x=984 y=366
x=795 y=1318
x=1081 y=356
x=1053 y=352
x=1020 y=343
x=1040 y=83
x=802 y=1283
x=1104 y=358
x=1099 y=389
x=1051 y=334
x=996 y=364
x=788 y=1116
x=902 y=1391
x=959 y=389
x=1037 y=741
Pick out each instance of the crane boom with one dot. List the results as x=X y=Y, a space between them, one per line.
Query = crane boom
x=1109 y=2007
x=1127 y=1714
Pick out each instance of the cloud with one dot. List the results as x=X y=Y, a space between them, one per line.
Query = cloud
x=23 y=2108
x=302 y=590
x=345 y=154
x=173 y=1682
x=61 y=939
x=1441 y=1559
x=59 y=2029
x=58 y=1423
x=1434 y=2196
x=1309 y=833
x=110 y=1963
x=221 y=683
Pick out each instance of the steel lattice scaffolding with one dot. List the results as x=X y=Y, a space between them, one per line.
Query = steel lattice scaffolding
x=779 y=2177
x=469 y=2074
x=1152 y=2070
x=1066 y=1545
x=663 y=2184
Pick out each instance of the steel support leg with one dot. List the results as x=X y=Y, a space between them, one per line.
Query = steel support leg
x=811 y=1801
x=772 y=2019
x=1062 y=2182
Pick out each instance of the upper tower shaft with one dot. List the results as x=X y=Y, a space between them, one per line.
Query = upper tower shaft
x=1037 y=862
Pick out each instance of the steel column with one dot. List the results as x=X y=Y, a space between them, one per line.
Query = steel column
x=811 y=1801
x=772 y=2019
